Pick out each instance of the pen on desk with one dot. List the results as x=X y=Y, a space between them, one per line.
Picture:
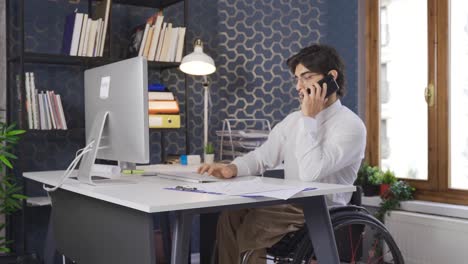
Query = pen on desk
x=133 y=171
x=183 y=188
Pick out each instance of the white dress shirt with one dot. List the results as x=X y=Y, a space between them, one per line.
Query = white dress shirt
x=328 y=148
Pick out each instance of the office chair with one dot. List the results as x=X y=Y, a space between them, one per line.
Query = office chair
x=359 y=236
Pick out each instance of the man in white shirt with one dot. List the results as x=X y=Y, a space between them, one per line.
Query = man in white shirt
x=323 y=142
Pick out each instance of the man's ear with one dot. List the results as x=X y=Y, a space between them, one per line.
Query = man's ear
x=334 y=73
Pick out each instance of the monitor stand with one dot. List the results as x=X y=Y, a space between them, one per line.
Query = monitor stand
x=87 y=162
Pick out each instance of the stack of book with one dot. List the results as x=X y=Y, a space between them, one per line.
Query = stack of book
x=163 y=110
x=158 y=40
x=44 y=108
x=86 y=36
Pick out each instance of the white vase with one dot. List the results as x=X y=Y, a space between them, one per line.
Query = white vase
x=209 y=158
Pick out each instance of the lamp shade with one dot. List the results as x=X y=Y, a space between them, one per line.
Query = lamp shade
x=197 y=62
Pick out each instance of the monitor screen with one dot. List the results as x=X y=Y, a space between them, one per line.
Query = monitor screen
x=116 y=113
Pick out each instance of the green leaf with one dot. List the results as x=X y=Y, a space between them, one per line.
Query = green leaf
x=19 y=196
x=15 y=132
x=10 y=127
x=6 y=161
x=9 y=155
x=4 y=250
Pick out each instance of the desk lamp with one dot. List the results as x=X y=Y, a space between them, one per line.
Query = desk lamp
x=200 y=64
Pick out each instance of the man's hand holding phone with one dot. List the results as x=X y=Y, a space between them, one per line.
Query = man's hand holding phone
x=314 y=102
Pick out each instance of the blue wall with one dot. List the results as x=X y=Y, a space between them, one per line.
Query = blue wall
x=249 y=41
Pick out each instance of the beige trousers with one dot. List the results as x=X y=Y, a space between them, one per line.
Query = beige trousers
x=255 y=229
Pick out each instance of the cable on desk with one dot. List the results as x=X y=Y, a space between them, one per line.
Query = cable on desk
x=79 y=154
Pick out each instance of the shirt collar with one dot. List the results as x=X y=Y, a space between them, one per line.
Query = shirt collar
x=328 y=112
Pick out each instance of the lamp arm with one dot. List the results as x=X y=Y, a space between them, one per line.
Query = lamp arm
x=205 y=114
x=205 y=82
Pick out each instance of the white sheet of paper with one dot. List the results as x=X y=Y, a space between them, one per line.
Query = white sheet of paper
x=255 y=187
x=281 y=194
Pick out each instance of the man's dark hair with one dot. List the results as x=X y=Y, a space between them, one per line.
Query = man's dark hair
x=320 y=58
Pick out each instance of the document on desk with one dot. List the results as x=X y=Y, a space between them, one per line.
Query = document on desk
x=252 y=188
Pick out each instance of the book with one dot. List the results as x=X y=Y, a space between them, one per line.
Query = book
x=68 y=33
x=57 y=111
x=156 y=36
x=53 y=99
x=82 y=35
x=102 y=12
x=97 y=43
x=161 y=96
x=180 y=44
x=33 y=92
x=163 y=107
x=86 y=37
x=171 y=51
x=166 y=43
x=75 y=41
x=160 y=42
x=27 y=87
x=41 y=111
x=62 y=115
x=45 y=110
x=149 y=38
x=92 y=38
x=50 y=108
x=37 y=124
x=143 y=40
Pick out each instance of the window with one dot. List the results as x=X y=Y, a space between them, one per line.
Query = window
x=421 y=132
x=384 y=26
x=384 y=85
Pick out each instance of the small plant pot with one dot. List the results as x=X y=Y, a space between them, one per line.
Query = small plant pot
x=208 y=158
x=384 y=187
x=370 y=190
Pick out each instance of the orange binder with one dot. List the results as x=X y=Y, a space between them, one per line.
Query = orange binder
x=163 y=107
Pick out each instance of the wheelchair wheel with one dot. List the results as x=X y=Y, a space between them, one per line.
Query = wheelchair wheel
x=359 y=240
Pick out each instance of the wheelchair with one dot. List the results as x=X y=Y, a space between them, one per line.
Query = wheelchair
x=360 y=238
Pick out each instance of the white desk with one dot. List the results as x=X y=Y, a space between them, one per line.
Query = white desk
x=114 y=225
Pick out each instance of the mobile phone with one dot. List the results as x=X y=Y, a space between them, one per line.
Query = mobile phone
x=332 y=86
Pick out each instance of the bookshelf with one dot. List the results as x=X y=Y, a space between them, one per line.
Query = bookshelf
x=19 y=59
x=87 y=62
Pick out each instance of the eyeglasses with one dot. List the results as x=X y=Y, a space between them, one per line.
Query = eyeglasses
x=305 y=77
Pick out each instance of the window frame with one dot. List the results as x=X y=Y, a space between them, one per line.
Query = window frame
x=436 y=188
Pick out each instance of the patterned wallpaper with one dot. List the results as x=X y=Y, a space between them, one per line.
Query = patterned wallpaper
x=249 y=41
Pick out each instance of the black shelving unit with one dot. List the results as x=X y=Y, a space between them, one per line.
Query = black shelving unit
x=24 y=57
x=87 y=62
x=16 y=61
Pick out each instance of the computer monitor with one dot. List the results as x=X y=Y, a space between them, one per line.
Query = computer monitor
x=116 y=114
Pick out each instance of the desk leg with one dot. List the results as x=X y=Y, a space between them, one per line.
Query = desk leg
x=181 y=238
x=208 y=223
x=320 y=229
x=166 y=234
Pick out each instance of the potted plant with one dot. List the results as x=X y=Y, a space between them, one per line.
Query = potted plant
x=209 y=153
x=369 y=178
x=10 y=192
x=399 y=191
x=388 y=178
